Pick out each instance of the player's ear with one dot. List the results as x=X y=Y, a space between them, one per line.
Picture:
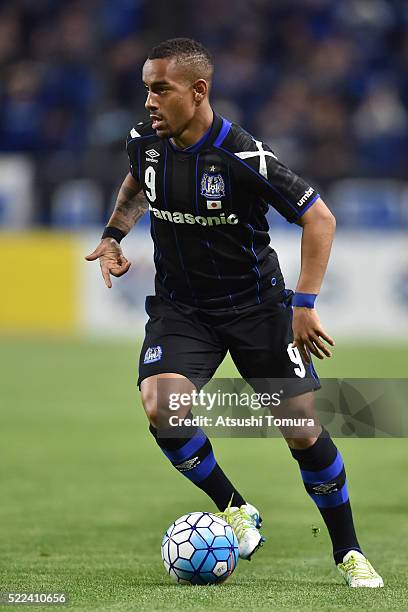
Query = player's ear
x=200 y=90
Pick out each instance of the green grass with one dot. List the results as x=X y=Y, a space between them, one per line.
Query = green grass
x=86 y=496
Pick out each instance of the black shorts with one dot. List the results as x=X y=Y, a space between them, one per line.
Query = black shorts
x=193 y=342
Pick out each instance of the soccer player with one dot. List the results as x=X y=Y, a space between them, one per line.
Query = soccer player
x=219 y=287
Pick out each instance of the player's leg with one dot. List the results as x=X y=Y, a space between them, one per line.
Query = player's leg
x=323 y=474
x=324 y=477
x=191 y=453
x=186 y=446
x=266 y=353
x=178 y=341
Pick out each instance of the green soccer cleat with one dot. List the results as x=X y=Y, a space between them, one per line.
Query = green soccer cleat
x=357 y=571
x=245 y=522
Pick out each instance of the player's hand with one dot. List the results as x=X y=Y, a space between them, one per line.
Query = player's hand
x=309 y=334
x=111 y=259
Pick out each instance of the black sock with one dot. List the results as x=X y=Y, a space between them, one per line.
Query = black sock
x=324 y=477
x=192 y=456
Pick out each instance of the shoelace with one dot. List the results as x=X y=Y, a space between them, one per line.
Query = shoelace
x=239 y=520
x=359 y=568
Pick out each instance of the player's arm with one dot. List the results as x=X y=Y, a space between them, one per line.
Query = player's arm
x=130 y=206
x=318 y=225
x=299 y=203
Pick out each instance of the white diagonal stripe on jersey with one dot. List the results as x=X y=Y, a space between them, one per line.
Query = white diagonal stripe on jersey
x=134 y=134
x=261 y=153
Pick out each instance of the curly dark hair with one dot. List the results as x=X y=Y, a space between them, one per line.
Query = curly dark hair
x=187 y=51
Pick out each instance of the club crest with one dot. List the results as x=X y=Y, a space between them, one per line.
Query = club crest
x=212 y=186
x=153 y=353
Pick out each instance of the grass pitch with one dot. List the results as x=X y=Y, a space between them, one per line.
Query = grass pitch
x=86 y=495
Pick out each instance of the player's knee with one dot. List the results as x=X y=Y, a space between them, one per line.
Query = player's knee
x=300 y=422
x=156 y=405
x=150 y=403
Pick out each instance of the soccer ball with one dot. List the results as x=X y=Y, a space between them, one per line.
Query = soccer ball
x=199 y=548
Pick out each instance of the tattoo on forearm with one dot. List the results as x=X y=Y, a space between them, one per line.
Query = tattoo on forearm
x=130 y=207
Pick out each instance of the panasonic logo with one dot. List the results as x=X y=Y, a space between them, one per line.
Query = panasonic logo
x=179 y=217
x=304 y=198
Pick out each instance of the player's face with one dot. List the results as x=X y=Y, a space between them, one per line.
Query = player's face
x=170 y=97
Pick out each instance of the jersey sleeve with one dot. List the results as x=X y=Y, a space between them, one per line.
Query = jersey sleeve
x=281 y=188
x=133 y=143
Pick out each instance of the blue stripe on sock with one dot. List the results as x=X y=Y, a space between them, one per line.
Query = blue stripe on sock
x=324 y=475
x=332 y=499
x=203 y=470
x=192 y=446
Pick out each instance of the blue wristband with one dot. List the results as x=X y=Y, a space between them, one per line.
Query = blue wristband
x=304 y=300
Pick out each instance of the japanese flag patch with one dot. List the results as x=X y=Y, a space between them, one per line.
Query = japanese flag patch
x=214 y=204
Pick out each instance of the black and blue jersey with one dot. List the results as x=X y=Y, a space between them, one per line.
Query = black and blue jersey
x=207 y=207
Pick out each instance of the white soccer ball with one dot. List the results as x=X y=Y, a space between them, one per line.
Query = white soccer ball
x=199 y=548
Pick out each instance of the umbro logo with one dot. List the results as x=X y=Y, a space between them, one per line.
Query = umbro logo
x=305 y=197
x=188 y=465
x=325 y=488
x=152 y=154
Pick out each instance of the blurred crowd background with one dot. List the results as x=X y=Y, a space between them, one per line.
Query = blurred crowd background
x=325 y=83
